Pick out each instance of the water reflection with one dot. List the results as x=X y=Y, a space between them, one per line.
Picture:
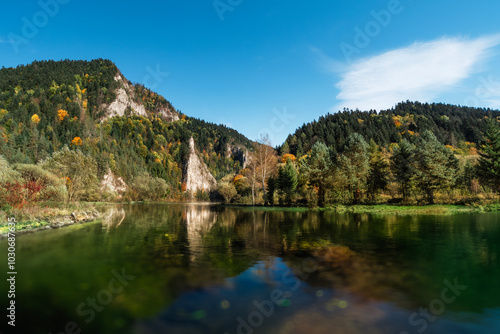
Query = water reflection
x=204 y=269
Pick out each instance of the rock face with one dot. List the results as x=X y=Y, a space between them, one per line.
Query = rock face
x=125 y=100
x=238 y=153
x=198 y=177
x=113 y=185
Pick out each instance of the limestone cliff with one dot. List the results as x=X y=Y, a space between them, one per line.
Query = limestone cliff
x=113 y=185
x=125 y=102
x=197 y=176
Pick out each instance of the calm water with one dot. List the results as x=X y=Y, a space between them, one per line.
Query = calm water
x=202 y=269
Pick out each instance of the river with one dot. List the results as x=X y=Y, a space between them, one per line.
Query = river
x=209 y=269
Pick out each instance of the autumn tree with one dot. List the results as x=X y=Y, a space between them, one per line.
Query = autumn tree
x=35 y=119
x=226 y=188
x=79 y=170
x=61 y=114
x=266 y=162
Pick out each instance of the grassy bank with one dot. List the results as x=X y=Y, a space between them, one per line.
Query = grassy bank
x=413 y=209
x=48 y=215
x=441 y=209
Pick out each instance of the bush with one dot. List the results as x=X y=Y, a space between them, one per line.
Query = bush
x=41 y=184
x=79 y=170
x=145 y=187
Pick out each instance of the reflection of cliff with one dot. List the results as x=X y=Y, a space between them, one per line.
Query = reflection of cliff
x=199 y=219
x=113 y=217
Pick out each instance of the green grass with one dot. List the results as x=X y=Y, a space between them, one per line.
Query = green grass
x=42 y=214
x=441 y=209
x=413 y=209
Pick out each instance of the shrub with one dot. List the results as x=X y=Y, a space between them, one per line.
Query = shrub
x=145 y=187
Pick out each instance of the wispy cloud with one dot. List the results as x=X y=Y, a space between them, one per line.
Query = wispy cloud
x=420 y=72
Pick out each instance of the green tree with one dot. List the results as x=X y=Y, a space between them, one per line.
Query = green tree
x=437 y=166
x=489 y=162
x=379 y=171
x=317 y=169
x=287 y=180
x=403 y=167
x=355 y=166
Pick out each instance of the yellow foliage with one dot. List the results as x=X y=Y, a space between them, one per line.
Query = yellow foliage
x=85 y=103
x=3 y=112
x=61 y=113
x=35 y=119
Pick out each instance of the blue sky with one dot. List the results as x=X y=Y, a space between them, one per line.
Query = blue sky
x=269 y=66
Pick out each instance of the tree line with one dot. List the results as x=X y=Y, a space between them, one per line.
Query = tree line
x=419 y=170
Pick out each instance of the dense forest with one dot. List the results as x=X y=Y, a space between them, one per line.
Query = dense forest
x=58 y=142
x=456 y=126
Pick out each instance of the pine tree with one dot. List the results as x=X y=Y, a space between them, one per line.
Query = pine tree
x=287 y=180
x=355 y=165
x=379 y=171
x=437 y=167
x=489 y=163
x=317 y=168
x=403 y=168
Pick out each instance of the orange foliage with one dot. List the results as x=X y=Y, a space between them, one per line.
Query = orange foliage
x=61 y=113
x=184 y=187
x=237 y=178
x=76 y=141
x=473 y=151
x=288 y=156
x=158 y=161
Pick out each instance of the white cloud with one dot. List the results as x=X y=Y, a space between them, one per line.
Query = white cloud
x=419 y=72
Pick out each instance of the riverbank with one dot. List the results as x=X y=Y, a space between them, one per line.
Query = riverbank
x=49 y=216
x=440 y=209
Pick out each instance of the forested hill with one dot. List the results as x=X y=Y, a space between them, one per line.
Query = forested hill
x=91 y=107
x=453 y=125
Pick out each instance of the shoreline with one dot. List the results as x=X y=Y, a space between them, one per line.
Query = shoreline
x=72 y=216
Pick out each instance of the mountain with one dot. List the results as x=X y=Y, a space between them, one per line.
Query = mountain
x=453 y=125
x=126 y=128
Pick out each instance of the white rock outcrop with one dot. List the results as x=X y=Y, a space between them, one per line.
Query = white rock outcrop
x=125 y=99
x=113 y=185
x=198 y=177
